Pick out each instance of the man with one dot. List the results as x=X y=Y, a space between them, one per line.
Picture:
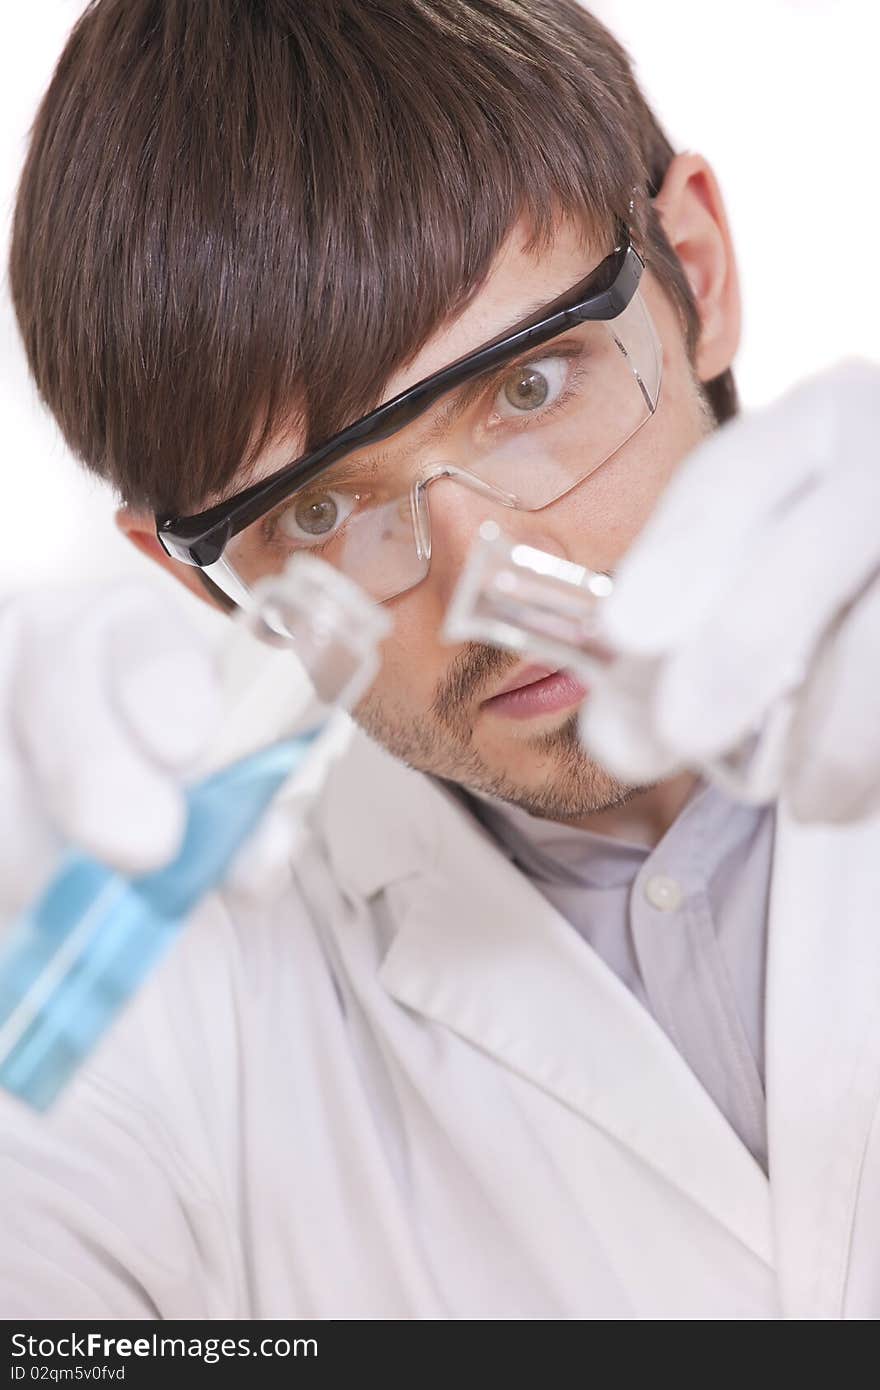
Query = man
x=497 y=1046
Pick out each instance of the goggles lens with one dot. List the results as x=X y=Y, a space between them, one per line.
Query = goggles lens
x=525 y=433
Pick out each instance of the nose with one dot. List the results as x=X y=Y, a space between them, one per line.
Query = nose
x=456 y=511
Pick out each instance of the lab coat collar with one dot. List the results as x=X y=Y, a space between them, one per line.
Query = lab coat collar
x=478 y=949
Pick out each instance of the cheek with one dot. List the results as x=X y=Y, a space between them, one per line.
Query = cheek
x=413 y=657
x=611 y=507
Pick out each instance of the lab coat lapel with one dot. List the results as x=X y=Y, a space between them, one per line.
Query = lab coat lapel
x=478 y=949
x=823 y=1051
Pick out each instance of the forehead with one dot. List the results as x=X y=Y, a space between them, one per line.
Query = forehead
x=522 y=278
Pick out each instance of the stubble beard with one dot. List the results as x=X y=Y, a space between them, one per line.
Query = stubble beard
x=571 y=785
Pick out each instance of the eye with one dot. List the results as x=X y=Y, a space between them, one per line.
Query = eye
x=531 y=386
x=315 y=517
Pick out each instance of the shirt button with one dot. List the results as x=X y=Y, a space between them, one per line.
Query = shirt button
x=663 y=893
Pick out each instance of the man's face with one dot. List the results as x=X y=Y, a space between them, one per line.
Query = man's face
x=432 y=704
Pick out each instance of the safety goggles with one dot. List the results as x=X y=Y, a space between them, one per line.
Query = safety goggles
x=521 y=420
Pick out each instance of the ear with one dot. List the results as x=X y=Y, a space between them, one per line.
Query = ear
x=140 y=528
x=691 y=210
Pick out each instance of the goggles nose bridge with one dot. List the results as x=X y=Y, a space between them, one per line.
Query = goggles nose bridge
x=421 y=515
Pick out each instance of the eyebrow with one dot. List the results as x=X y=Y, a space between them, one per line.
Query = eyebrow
x=461 y=398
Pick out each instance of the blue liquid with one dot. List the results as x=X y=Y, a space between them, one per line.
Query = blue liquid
x=79 y=953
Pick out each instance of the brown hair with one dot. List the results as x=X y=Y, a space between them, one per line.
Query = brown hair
x=239 y=215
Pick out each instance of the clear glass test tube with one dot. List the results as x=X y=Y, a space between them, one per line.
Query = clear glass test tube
x=524 y=599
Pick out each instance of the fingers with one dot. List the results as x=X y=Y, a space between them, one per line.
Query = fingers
x=833 y=771
x=162 y=681
x=714 y=509
x=722 y=608
x=100 y=722
x=758 y=641
x=29 y=845
x=732 y=490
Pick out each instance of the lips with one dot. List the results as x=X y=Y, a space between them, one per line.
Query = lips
x=526 y=675
x=540 y=692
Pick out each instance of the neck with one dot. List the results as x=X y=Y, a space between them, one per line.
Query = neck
x=645 y=816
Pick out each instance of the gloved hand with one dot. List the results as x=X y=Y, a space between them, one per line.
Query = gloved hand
x=108 y=699
x=750 y=605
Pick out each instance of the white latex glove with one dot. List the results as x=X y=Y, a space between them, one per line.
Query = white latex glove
x=750 y=603
x=108 y=700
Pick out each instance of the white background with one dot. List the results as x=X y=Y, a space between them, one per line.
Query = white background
x=781 y=95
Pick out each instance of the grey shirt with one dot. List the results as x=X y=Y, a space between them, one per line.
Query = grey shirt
x=683 y=925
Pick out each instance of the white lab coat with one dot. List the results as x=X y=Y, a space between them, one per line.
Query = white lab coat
x=408 y=1089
